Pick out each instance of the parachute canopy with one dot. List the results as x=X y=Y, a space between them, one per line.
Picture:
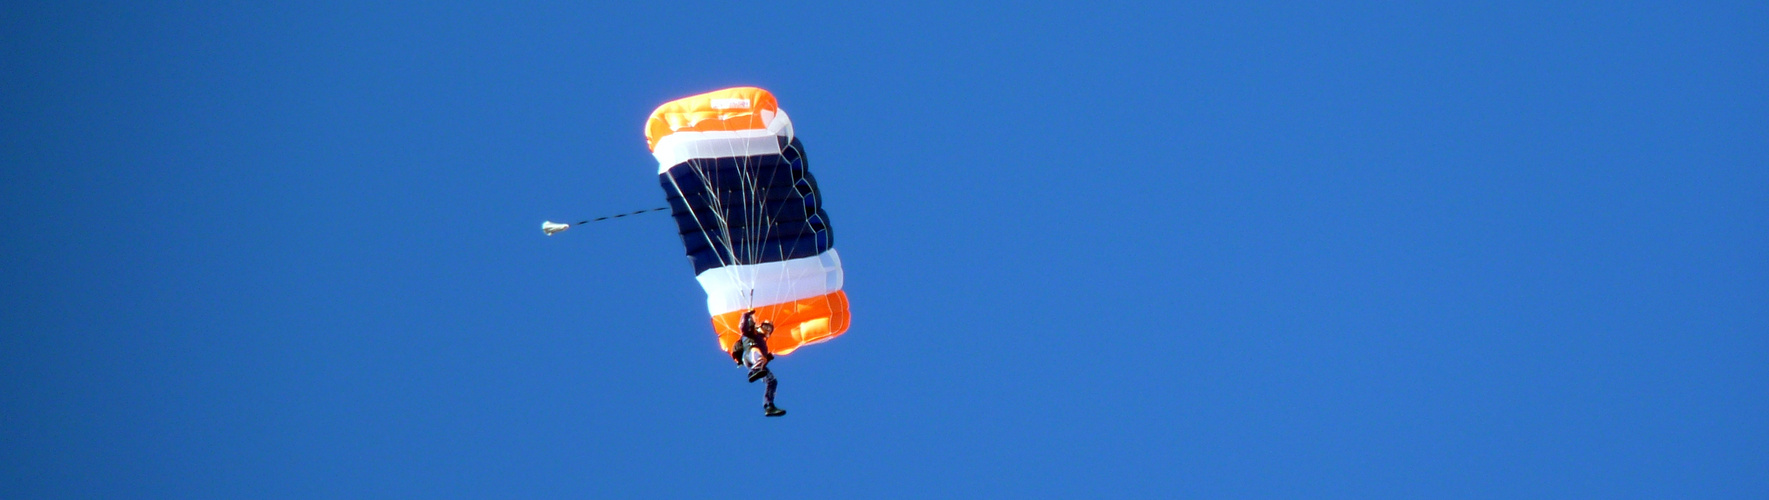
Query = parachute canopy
x=750 y=215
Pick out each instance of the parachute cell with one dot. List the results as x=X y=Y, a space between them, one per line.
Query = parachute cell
x=750 y=215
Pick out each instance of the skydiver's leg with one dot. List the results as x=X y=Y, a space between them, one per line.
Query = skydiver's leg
x=758 y=364
x=768 y=408
x=768 y=375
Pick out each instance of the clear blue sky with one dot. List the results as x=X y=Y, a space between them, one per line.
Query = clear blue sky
x=1094 y=249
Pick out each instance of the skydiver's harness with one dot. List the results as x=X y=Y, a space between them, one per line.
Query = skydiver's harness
x=751 y=351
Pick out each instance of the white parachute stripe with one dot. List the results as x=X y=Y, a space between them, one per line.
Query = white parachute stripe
x=728 y=288
x=679 y=147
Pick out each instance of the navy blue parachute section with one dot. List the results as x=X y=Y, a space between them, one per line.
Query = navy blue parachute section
x=767 y=205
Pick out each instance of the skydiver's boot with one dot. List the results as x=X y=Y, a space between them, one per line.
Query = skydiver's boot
x=769 y=409
x=757 y=374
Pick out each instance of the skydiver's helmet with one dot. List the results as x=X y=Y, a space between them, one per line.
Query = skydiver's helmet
x=767 y=328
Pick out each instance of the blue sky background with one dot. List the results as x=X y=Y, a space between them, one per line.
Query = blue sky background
x=1095 y=249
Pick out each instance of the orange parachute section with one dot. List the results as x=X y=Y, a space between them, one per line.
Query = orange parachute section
x=738 y=108
x=797 y=323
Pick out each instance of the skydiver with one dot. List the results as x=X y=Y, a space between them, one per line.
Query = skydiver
x=752 y=351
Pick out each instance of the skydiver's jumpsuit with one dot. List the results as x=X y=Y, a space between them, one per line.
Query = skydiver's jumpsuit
x=752 y=351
